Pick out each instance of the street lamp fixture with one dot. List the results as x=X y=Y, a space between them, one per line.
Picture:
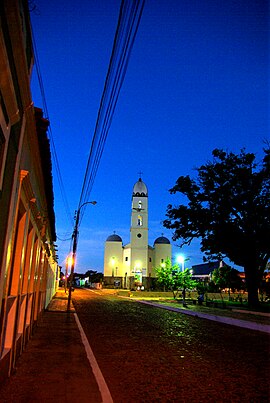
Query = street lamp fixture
x=74 y=249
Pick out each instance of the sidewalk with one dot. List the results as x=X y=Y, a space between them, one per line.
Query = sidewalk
x=236 y=317
x=227 y=317
x=54 y=367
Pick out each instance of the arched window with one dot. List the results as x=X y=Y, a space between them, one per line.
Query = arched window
x=140 y=222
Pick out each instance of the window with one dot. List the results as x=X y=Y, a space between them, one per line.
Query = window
x=139 y=235
x=161 y=260
x=150 y=259
x=140 y=221
x=126 y=258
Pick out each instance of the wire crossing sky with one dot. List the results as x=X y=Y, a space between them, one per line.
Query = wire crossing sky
x=197 y=79
x=52 y=145
x=127 y=27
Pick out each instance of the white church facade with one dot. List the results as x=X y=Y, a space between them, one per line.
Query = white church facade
x=133 y=265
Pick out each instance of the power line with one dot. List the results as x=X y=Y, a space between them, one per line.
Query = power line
x=53 y=149
x=127 y=27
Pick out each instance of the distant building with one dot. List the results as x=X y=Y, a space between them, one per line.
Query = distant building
x=133 y=265
x=28 y=260
x=202 y=272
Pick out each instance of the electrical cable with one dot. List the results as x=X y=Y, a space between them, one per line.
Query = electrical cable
x=63 y=240
x=108 y=117
x=110 y=108
x=103 y=98
x=53 y=149
x=127 y=27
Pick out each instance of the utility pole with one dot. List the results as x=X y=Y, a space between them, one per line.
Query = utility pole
x=74 y=249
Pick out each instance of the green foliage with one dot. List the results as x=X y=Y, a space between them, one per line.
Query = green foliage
x=164 y=274
x=184 y=280
x=212 y=287
x=229 y=210
x=227 y=277
x=94 y=276
x=172 y=278
x=202 y=287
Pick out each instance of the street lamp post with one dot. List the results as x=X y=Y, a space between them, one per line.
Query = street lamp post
x=74 y=249
x=66 y=276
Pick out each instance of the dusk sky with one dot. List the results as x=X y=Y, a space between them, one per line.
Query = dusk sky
x=197 y=79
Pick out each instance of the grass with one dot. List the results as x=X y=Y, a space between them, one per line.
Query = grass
x=214 y=299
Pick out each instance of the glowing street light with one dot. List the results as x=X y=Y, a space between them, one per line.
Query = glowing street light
x=69 y=261
x=74 y=249
x=138 y=265
x=181 y=260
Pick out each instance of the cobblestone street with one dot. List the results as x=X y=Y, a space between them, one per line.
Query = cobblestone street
x=146 y=354
x=151 y=355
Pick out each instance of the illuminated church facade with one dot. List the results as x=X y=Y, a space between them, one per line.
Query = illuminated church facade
x=133 y=265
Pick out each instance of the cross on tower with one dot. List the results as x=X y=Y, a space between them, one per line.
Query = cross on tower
x=140 y=173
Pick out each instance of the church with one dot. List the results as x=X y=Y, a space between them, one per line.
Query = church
x=133 y=265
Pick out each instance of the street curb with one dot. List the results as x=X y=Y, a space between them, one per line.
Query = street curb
x=221 y=319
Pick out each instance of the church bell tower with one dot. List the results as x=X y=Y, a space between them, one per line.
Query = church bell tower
x=139 y=231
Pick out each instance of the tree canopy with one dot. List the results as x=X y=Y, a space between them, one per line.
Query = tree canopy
x=171 y=277
x=94 y=276
x=229 y=210
x=227 y=277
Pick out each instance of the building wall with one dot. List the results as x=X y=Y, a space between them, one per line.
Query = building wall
x=126 y=260
x=115 y=255
x=113 y=259
x=28 y=266
x=139 y=235
x=162 y=252
x=151 y=259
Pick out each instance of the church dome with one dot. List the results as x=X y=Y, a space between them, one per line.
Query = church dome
x=162 y=240
x=114 y=238
x=140 y=189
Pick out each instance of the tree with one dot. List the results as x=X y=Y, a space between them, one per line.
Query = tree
x=264 y=286
x=94 y=276
x=171 y=277
x=184 y=282
x=165 y=273
x=229 y=210
x=227 y=277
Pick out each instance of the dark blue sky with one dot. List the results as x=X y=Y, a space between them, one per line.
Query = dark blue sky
x=197 y=80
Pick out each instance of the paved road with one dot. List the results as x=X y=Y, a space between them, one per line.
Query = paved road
x=152 y=355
